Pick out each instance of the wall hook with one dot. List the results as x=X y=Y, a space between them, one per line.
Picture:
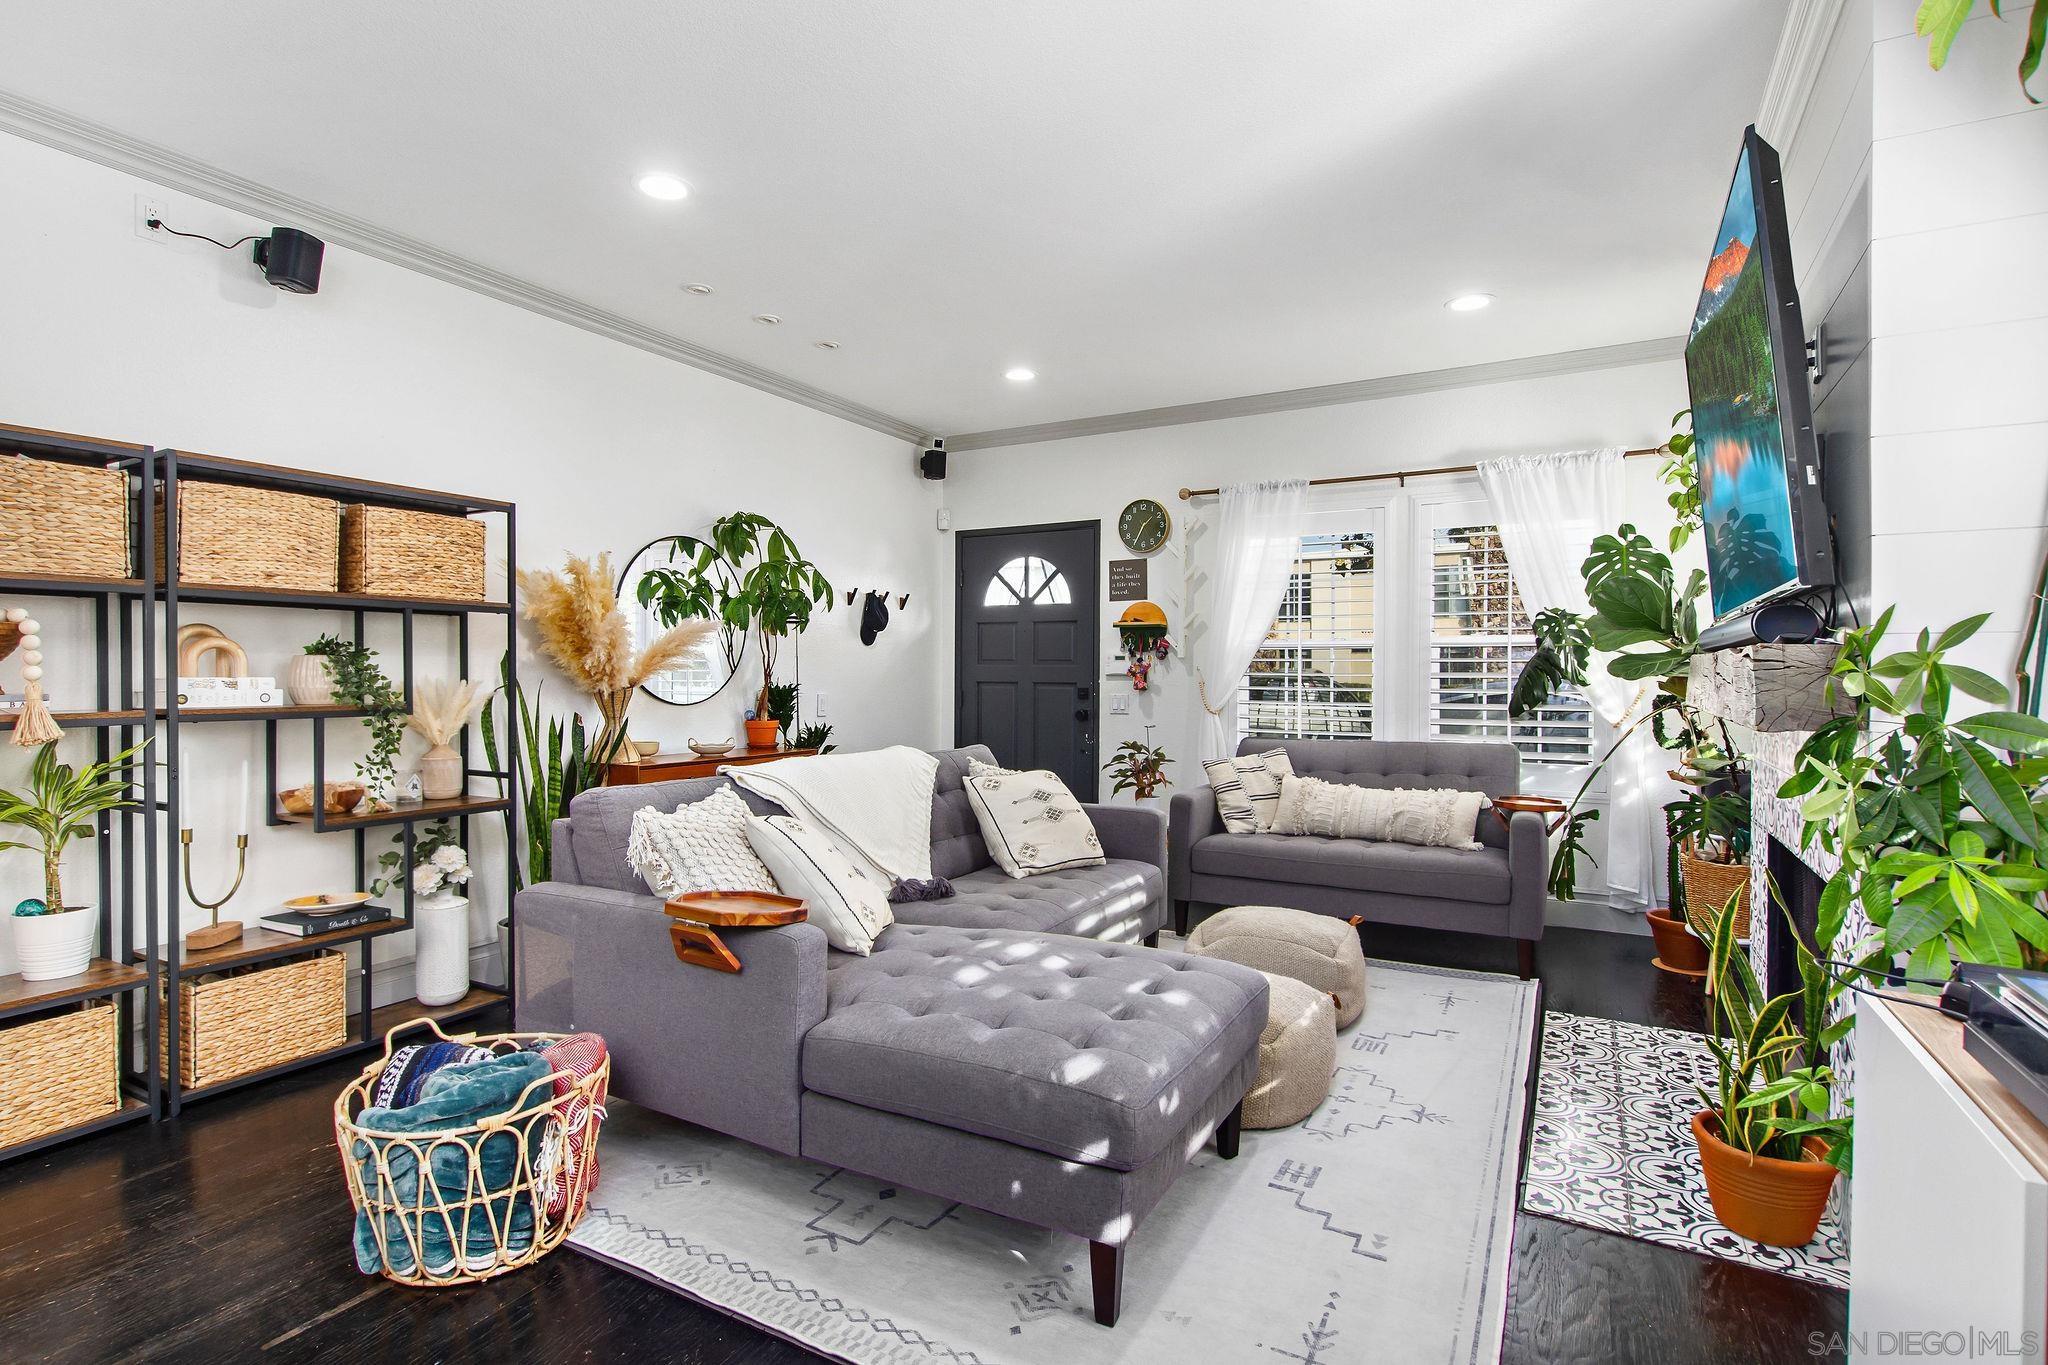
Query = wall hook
x=850 y=594
x=902 y=601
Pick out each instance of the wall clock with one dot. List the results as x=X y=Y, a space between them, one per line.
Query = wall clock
x=1144 y=526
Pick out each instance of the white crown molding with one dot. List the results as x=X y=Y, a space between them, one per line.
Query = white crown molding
x=1795 y=67
x=1328 y=395
x=67 y=133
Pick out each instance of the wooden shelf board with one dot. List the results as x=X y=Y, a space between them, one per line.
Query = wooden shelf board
x=67 y=585
x=260 y=945
x=426 y=810
x=131 y=1109
x=101 y=978
x=231 y=594
x=386 y=1017
x=79 y=719
x=191 y=715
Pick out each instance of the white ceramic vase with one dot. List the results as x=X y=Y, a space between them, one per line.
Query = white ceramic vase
x=309 y=681
x=53 y=946
x=440 y=962
x=440 y=773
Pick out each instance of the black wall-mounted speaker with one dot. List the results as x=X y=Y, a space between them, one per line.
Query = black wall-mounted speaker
x=932 y=464
x=291 y=259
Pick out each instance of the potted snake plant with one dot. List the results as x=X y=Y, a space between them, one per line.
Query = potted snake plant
x=53 y=937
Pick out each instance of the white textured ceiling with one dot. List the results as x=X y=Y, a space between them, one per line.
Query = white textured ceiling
x=1150 y=202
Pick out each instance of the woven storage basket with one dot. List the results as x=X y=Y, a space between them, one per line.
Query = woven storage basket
x=235 y=537
x=63 y=518
x=1707 y=889
x=232 y=1024
x=502 y=1218
x=397 y=552
x=61 y=1071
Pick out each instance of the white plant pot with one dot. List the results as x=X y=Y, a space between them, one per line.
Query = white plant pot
x=52 y=946
x=440 y=960
x=309 y=681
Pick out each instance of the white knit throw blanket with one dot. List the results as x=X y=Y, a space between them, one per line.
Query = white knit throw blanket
x=876 y=805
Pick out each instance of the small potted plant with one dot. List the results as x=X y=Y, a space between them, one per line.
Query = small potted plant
x=440 y=912
x=358 y=682
x=1769 y=1148
x=1139 y=767
x=53 y=937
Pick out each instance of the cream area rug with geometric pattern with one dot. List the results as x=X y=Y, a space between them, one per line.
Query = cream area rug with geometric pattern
x=1378 y=1229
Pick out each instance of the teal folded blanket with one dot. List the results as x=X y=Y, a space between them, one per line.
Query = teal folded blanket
x=452 y=1098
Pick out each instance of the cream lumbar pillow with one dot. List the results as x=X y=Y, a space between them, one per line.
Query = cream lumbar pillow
x=1032 y=823
x=700 y=846
x=844 y=899
x=1433 y=817
x=1247 y=788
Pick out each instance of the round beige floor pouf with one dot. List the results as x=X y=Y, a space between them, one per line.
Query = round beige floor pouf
x=1321 y=950
x=1297 y=1055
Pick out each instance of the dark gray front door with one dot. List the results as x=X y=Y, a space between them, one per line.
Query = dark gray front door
x=1026 y=669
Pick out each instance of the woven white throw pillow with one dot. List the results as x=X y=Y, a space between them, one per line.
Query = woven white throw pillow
x=1247 y=788
x=1032 y=823
x=1433 y=817
x=701 y=846
x=844 y=899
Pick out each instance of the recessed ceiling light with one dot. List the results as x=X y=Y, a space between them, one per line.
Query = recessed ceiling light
x=826 y=345
x=1020 y=375
x=767 y=319
x=1469 y=303
x=662 y=185
x=698 y=289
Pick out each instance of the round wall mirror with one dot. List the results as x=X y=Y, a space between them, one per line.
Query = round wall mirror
x=704 y=676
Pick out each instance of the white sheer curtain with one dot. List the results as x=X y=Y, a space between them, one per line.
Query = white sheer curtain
x=1549 y=508
x=1257 y=532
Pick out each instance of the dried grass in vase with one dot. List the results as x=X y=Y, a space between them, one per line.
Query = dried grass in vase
x=583 y=632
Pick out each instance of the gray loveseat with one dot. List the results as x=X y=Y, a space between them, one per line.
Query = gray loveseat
x=1015 y=1047
x=1497 y=889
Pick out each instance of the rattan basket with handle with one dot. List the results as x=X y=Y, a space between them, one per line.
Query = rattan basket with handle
x=63 y=519
x=1708 y=885
x=399 y=552
x=235 y=537
x=62 y=1070
x=232 y=1024
x=480 y=1218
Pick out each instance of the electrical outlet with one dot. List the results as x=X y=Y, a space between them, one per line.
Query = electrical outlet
x=148 y=206
x=818 y=701
x=1120 y=705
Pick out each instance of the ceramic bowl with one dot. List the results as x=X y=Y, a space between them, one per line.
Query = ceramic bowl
x=710 y=748
x=327 y=903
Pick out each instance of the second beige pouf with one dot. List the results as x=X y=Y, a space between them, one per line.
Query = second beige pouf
x=1321 y=950
x=1297 y=1055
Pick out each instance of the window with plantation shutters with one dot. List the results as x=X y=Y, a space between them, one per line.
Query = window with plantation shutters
x=1313 y=679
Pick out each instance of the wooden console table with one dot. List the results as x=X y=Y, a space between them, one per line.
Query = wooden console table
x=671 y=767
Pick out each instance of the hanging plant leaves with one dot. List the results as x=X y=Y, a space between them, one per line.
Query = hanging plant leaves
x=1562 y=647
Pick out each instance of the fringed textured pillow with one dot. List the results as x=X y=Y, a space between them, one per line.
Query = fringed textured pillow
x=1433 y=817
x=701 y=846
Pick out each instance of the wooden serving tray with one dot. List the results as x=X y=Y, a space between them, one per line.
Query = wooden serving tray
x=1505 y=806
x=696 y=918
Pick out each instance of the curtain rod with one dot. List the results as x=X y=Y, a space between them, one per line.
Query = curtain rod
x=1403 y=475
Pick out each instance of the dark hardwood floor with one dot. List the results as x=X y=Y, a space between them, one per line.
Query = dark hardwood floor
x=224 y=1236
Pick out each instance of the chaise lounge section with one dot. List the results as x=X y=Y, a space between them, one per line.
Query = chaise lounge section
x=1015 y=1047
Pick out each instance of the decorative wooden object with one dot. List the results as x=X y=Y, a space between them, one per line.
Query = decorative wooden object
x=34 y=726
x=1771 y=689
x=553 y=1129
x=342 y=797
x=1504 y=807
x=696 y=918
x=671 y=767
x=199 y=642
x=215 y=933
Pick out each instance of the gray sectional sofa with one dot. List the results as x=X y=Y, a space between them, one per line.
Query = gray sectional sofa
x=945 y=1060
x=1497 y=889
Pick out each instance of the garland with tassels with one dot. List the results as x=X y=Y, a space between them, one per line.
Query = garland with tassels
x=34 y=726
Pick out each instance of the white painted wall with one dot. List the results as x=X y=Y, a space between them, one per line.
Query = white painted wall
x=1093 y=478
x=390 y=375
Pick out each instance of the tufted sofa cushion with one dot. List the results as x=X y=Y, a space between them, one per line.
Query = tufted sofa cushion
x=1459 y=874
x=957 y=845
x=1421 y=763
x=1107 y=901
x=1087 y=1051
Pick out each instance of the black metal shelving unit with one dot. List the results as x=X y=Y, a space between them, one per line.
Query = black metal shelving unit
x=132 y=660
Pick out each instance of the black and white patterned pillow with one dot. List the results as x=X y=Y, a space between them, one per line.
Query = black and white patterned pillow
x=1248 y=788
x=1031 y=823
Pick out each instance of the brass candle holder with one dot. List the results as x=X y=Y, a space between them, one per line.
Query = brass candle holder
x=215 y=933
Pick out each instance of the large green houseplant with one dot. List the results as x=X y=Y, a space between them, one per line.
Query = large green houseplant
x=557 y=765
x=748 y=576
x=53 y=937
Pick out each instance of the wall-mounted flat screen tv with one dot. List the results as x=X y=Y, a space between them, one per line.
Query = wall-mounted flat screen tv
x=1745 y=363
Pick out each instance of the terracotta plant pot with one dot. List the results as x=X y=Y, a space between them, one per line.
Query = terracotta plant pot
x=1678 y=950
x=1778 y=1203
x=761 y=734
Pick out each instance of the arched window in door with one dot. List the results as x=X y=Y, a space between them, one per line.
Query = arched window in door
x=1027 y=582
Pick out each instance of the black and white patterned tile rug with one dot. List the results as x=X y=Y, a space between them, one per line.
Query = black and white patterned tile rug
x=1612 y=1148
